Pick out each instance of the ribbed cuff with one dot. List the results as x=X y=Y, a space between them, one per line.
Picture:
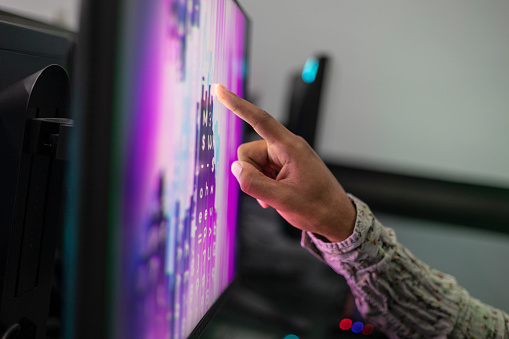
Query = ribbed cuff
x=319 y=246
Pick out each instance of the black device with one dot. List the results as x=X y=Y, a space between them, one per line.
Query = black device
x=305 y=96
x=32 y=89
x=34 y=129
x=28 y=46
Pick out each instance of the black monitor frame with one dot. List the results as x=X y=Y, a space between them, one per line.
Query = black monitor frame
x=86 y=310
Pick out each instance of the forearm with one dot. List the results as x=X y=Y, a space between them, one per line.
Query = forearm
x=397 y=292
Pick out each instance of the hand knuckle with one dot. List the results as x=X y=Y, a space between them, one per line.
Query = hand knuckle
x=242 y=150
x=301 y=143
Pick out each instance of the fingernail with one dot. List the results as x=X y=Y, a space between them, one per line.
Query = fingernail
x=215 y=87
x=236 y=169
x=221 y=86
x=225 y=90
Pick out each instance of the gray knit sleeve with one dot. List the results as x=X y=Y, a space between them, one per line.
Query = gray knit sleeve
x=400 y=294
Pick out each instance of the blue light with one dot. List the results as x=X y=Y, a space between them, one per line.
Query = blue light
x=310 y=70
x=357 y=327
x=291 y=336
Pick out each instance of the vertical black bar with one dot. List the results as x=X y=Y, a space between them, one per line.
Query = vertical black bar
x=33 y=227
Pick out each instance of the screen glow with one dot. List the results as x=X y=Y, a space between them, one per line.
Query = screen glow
x=175 y=197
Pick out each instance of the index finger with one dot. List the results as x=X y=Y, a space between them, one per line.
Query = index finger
x=262 y=122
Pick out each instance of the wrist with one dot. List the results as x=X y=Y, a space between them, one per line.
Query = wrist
x=343 y=224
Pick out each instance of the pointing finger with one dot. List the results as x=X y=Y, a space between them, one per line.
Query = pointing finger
x=263 y=123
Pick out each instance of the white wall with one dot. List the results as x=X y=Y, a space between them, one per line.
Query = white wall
x=58 y=12
x=417 y=87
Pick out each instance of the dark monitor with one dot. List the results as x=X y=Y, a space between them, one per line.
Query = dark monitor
x=151 y=227
x=34 y=96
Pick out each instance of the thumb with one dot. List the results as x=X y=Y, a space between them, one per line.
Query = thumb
x=254 y=182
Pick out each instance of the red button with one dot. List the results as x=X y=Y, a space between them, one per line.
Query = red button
x=345 y=324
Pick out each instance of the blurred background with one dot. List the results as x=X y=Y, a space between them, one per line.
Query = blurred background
x=413 y=120
x=414 y=87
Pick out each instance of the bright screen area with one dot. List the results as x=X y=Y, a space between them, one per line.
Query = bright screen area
x=176 y=199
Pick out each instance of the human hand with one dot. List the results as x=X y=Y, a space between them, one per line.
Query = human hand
x=283 y=171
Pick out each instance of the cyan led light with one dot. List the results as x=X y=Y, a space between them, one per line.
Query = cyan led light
x=310 y=70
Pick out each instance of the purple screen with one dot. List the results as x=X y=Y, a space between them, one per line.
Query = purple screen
x=175 y=199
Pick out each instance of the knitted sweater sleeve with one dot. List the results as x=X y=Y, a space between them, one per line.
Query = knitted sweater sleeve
x=400 y=294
